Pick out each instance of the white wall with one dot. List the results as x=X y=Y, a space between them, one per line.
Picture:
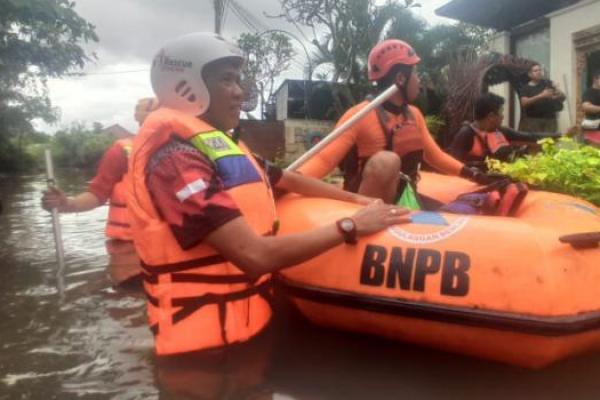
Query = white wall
x=563 y=24
x=297 y=129
x=501 y=44
x=281 y=103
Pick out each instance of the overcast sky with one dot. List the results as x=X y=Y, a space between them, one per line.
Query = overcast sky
x=131 y=31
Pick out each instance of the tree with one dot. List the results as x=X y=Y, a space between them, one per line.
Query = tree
x=79 y=146
x=39 y=39
x=267 y=56
x=351 y=28
x=97 y=127
x=346 y=30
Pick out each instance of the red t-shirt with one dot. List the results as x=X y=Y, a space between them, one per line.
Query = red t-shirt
x=188 y=193
x=111 y=169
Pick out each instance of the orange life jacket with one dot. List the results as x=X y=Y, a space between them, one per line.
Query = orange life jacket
x=118 y=225
x=487 y=143
x=196 y=299
x=401 y=135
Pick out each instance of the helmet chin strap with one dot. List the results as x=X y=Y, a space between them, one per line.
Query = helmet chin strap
x=401 y=108
x=404 y=89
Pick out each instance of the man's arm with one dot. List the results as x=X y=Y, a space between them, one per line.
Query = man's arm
x=312 y=187
x=56 y=198
x=433 y=154
x=589 y=108
x=258 y=255
x=528 y=101
x=208 y=214
x=558 y=94
x=112 y=167
x=462 y=143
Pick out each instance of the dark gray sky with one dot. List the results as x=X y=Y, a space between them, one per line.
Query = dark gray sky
x=131 y=31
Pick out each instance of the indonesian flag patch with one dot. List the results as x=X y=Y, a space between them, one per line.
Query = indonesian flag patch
x=193 y=183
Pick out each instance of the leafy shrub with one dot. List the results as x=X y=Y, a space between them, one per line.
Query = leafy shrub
x=79 y=147
x=564 y=166
x=435 y=124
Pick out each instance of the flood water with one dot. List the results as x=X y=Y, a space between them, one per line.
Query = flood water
x=92 y=342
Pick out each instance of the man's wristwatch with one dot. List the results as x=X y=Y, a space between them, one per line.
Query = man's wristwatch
x=347 y=228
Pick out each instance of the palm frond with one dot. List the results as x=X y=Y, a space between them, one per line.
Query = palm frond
x=470 y=75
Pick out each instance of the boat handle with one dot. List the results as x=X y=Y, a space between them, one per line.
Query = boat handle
x=584 y=240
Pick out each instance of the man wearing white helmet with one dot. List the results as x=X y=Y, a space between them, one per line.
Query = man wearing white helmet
x=203 y=211
x=108 y=184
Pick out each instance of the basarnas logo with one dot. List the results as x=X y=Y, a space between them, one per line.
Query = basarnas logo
x=167 y=63
x=434 y=233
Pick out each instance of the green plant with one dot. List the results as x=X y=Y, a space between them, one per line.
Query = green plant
x=434 y=123
x=564 y=166
x=39 y=39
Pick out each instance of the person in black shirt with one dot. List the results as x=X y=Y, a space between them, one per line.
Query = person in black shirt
x=591 y=104
x=540 y=101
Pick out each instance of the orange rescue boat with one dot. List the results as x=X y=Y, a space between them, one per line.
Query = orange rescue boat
x=521 y=290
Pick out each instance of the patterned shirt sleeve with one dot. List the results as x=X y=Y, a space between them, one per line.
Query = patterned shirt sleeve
x=112 y=167
x=188 y=193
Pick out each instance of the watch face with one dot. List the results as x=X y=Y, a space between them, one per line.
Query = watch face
x=347 y=225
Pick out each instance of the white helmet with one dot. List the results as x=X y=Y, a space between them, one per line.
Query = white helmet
x=176 y=73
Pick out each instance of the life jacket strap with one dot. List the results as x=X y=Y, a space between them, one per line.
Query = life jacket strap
x=199 y=278
x=183 y=265
x=190 y=305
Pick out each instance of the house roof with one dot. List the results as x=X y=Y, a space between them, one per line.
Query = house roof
x=302 y=82
x=117 y=130
x=500 y=14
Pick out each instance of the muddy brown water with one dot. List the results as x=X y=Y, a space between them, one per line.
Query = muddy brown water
x=92 y=342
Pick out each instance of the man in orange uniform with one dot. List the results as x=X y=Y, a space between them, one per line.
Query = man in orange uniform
x=204 y=218
x=393 y=140
x=109 y=184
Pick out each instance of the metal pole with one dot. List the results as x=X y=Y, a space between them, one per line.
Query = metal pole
x=389 y=92
x=568 y=100
x=60 y=253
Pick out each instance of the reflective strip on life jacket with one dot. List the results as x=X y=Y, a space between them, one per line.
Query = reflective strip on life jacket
x=233 y=166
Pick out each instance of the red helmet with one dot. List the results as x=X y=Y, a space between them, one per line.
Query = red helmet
x=388 y=53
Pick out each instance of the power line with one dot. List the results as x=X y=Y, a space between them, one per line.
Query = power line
x=225 y=9
x=254 y=24
x=105 y=73
x=254 y=21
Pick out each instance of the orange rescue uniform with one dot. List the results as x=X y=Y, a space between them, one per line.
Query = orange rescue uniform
x=197 y=300
x=410 y=139
x=118 y=225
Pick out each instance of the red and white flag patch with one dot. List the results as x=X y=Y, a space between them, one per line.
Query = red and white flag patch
x=193 y=184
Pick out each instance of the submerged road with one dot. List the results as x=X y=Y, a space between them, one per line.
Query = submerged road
x=92 y=342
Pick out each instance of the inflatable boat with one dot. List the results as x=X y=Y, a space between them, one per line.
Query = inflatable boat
x=592 y=138
x=521 y=290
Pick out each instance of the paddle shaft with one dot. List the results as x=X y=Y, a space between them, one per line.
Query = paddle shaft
x=60 y=253
x=389 y=92
x=567 y=100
